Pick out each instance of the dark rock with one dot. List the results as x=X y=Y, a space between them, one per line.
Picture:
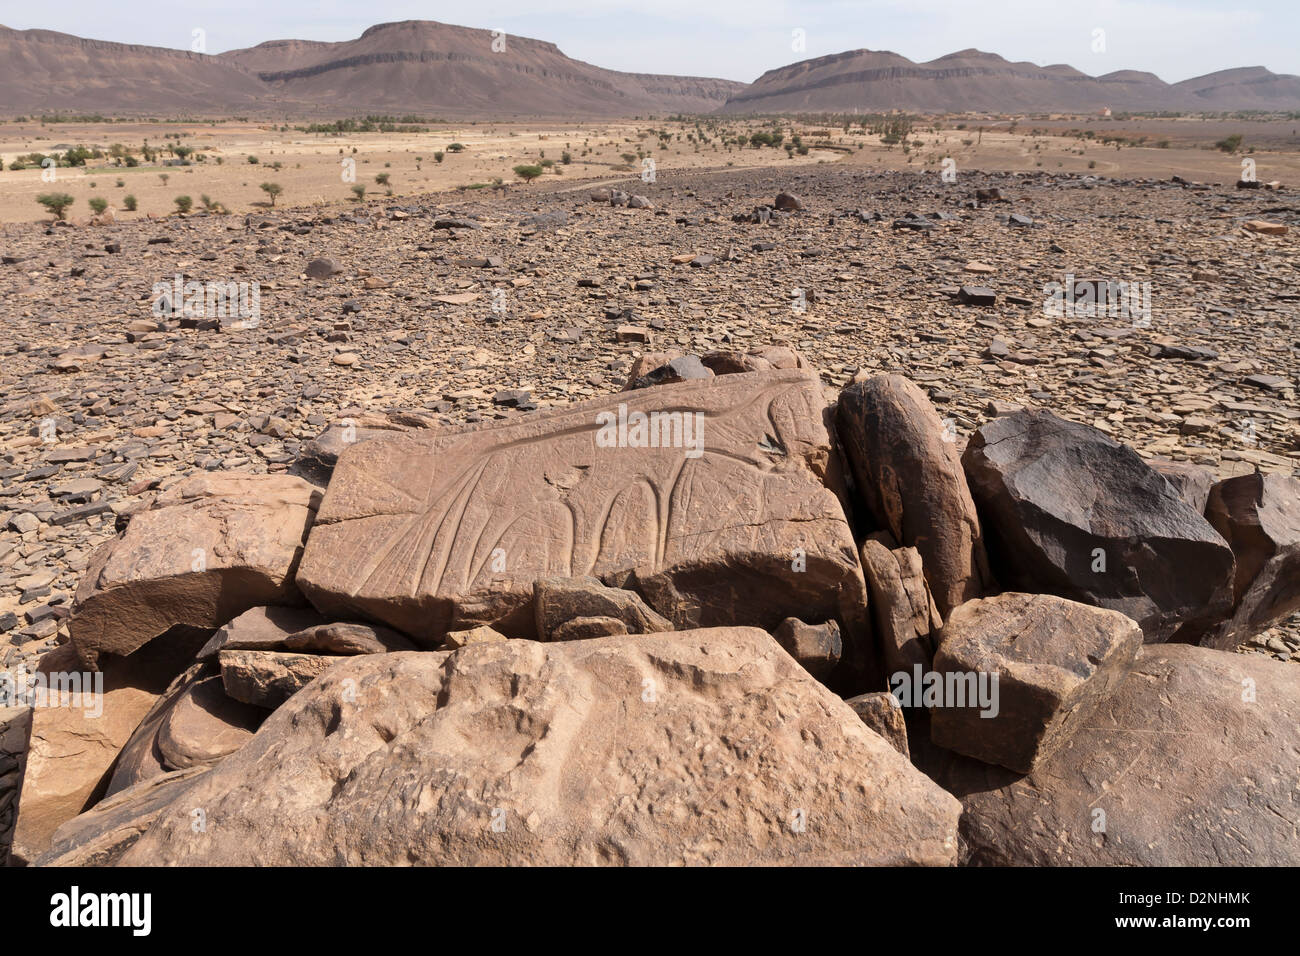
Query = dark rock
x=1069 y=511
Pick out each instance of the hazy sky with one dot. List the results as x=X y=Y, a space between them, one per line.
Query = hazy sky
x=739 y=39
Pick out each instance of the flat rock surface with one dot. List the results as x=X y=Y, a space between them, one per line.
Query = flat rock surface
x=446 y=529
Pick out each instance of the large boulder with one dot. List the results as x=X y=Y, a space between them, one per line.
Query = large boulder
x=707 y=498
x=1191 y=762
x=909 y=478
x=1069 y=511
x=211 y=547
x=1055 y=661
x=1259 y=515
x=698 y=747
x=80 y=723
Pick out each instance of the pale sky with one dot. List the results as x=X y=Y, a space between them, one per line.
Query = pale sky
x=740 y=39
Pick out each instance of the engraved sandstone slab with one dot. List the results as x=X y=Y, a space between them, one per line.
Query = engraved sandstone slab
x=715 y=507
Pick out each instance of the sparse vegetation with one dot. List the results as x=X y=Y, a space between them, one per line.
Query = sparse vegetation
x=56 y=203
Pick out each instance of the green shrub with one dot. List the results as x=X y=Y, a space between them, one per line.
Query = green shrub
x=56 y=203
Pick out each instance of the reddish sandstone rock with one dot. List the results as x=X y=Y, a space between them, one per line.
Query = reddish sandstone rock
x=695 y=747
x=1259 y=515
x=210 y=548
x=450 y=528
x=910 y=480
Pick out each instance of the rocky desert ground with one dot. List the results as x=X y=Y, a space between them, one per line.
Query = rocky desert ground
x=380 y=568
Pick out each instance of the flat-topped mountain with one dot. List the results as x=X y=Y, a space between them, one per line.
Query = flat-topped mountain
x=429 y=68
x=41 y=70
x=414 y=65
x=419 y=64
x=870 y=80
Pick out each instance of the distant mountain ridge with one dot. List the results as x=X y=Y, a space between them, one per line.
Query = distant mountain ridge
x=971 y=80
x=410 y=66
x=429 y=68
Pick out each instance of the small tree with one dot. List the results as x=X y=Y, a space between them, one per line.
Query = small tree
x=98 y=205
x=183 y=204
x=359 y=191
x=56 y=203
x=437 y=156
x=164 y=177
x=129 y=203
x=272 y=190
x=456 y=147
x=382 y=179
x=528 y=173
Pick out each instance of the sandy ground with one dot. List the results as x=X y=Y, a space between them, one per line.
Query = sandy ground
x=311 y=169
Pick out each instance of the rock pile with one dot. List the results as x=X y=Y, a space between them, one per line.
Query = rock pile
x=675 y=624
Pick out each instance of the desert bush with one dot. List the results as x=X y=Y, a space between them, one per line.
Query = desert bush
x=56 y=203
